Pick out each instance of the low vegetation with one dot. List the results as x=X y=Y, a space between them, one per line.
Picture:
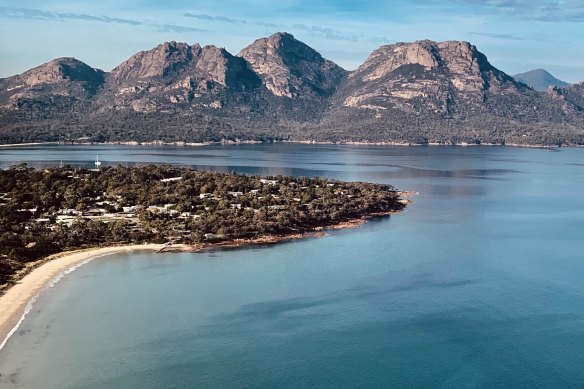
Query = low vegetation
x=56 y=209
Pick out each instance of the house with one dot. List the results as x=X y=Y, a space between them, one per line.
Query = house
x=67 y=211
x=210 y=236
x=67 y=220
x=33 y=210
x=156 y=208
x=171 y=179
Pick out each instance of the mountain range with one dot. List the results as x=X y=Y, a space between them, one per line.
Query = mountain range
x=280 y=89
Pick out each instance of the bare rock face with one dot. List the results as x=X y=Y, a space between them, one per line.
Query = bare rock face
x=570 y=104
x=574 y=94
x=220 y=66
x=64 y=77
x=171 y=61
x=63 y=70
x=425 y=75
x=163 y=60
x=386 y=59
x=177 y=73
x=292 y=69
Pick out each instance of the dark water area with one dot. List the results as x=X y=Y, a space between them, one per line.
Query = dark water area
x=477 y=284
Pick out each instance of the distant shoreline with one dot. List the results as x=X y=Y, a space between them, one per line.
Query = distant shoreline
x=307 y=142
x=17 y=299
x=28 y=144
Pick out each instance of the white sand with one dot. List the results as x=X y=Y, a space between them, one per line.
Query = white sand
x=14 y=304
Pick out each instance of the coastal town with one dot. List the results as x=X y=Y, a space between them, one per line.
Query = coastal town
x=45 y=211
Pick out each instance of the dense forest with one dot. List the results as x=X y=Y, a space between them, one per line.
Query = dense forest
x=56 y=209
x=536 y=127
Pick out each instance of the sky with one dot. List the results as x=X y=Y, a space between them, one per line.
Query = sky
x=516 y=35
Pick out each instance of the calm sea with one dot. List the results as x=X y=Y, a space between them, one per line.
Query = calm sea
x=478 y=284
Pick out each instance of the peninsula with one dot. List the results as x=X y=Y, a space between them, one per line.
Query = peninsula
x=49 y=211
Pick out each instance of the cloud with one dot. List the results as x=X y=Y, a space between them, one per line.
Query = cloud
x=21 y=13
x=25 y=13
x=347 y=7
x=501 y=36
x=325 y=32
x=540 y=10
x=35 y=14
x=179 y=29
x=214 y=18
x=225 y=19
x=104 y=19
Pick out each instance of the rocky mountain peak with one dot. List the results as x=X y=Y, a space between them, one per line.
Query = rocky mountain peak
x=60 y=70
x=454 y=56
x=291 y=68
x=178 y=73
x=280 y=38
x=66 y=78
x=172 y=61
x=390 y=57
x=222 y=67
x=425 y=75
x=157 y=62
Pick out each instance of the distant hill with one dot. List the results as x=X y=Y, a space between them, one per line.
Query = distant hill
x=539 y=79
x=279 y=88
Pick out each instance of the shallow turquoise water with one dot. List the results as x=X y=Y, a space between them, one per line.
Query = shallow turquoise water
x=478 y=284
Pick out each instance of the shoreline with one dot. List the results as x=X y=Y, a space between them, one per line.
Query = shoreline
x=307 y=142
x=17 y=299
x=27 y=144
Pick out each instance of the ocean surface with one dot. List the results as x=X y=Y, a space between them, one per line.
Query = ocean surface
x=479 y=284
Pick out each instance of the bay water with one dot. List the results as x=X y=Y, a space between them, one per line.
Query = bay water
x=477 y=284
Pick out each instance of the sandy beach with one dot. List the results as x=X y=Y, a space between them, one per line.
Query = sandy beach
x=13 y=303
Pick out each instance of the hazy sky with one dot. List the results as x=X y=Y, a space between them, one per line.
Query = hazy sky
x=516 y=35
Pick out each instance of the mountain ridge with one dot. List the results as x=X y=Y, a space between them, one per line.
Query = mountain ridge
x=279 y=88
